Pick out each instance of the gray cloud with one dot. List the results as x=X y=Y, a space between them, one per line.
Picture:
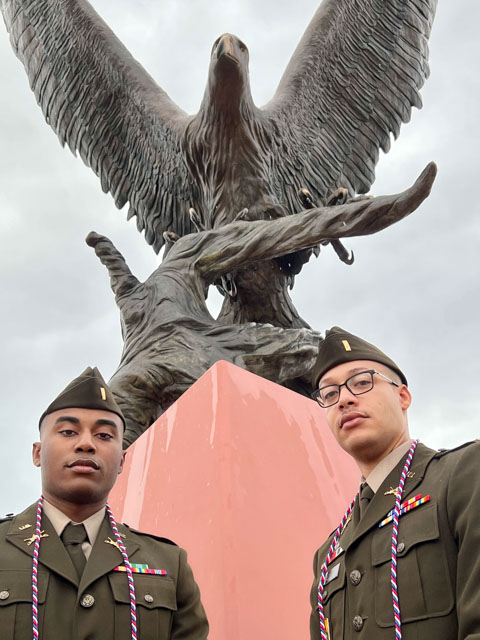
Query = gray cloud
x=413 y=289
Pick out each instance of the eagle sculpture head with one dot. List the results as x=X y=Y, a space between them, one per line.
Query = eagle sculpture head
x=228 y=83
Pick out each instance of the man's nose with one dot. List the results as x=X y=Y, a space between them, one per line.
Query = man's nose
x=346 y=398
x=86 y=443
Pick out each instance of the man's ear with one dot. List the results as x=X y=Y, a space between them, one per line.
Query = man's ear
x=405 y=397
x=122 y=462
x=36 y=453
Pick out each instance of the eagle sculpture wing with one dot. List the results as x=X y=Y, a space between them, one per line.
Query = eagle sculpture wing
x=103 y=104
x=350 y=83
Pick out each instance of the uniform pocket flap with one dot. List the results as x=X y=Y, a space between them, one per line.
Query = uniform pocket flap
x=418 y=526
x=150 y=591
x=16 y=586
x=334 y=583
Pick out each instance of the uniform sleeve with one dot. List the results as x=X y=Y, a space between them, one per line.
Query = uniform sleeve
x=463 y=505
x=314 y=619
x=189 y=621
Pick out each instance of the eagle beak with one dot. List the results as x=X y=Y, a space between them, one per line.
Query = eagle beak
x=226 y=47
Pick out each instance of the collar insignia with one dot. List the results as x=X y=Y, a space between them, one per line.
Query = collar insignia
x=32 y=539
x=114 y=543
x=391 y=492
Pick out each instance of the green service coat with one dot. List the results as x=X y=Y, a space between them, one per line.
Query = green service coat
x=438 y=557
x=97 y=608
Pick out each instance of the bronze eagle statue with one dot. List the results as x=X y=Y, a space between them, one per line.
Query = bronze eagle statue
x=350 y=84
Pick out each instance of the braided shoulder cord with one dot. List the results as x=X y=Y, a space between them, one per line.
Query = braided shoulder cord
x=121 y=546
x=396 y=513
x=338 y=532
x=38 y=534
x=128 y=567
x=324 y=570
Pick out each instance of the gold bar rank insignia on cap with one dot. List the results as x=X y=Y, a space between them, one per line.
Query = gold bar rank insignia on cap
x=142 y=568
x=103 y=393
x=346 y=344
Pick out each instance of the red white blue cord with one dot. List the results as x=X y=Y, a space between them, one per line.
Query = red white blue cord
x=396 y=513
x=38 y=534
x=338 y=533
x=324 y=570
x=128 y=568
x=121 y=546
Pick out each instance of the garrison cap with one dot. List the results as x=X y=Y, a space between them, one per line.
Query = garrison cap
x=339 y=346
x=88 y=391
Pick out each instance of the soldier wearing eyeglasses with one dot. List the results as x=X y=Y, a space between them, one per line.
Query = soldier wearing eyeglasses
x=365 y=397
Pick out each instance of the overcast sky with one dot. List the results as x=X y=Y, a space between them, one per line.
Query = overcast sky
x=413 y=289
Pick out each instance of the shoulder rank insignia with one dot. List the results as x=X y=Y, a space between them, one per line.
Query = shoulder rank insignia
x=407 y=506
x=24 y=526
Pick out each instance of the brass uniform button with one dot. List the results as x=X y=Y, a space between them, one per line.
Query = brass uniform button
x=148 y=598
x=87 y=601
x=358 y=623
x=355 y=577
x=401 y=547
x=4 y=595
x=325 y=594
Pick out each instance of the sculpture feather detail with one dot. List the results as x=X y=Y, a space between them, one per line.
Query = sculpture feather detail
x=351 y=82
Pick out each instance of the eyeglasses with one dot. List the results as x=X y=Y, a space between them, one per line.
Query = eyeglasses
x=357 y=384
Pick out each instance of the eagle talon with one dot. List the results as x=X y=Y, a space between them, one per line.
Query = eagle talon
x=242 y=215
x=342 y=252
x=195 y=218
x=306 y=199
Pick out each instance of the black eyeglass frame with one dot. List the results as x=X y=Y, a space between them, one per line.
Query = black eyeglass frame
x=316 y=394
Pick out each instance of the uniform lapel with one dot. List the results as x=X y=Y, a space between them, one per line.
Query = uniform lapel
x=52 y=552
x=421 y=459
x=106 y=556
x=381 y=504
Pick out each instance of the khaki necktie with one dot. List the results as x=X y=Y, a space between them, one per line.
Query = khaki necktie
x=73 y=535
x=366 y=494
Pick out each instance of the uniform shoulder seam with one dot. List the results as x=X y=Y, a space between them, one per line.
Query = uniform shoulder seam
x=443 y=452
x=150 y=535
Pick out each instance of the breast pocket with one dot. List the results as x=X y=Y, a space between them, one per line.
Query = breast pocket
x=424 y=584
x=156 y=602
x=16 y=603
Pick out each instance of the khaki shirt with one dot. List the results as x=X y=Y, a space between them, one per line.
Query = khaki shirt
x=59 y=521
x=385 y=466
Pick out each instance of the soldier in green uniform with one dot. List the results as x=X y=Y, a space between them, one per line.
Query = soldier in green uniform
x=422 y=580
x=67 y=570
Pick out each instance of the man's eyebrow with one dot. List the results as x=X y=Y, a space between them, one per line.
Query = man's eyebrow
x=348 y=373
x=71 y=419
x=102 y=422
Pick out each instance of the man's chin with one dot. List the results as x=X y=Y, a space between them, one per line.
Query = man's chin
x=83 y=493
x=358 y=444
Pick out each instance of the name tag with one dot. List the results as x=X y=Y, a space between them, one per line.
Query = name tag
x=332 y=573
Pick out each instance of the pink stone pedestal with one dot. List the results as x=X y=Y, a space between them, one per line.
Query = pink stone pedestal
x=247 y=477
